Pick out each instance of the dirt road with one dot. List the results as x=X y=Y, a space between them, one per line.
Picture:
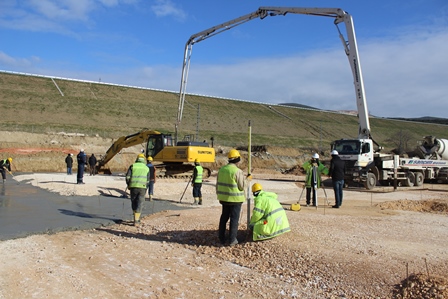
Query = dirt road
x=363 y=250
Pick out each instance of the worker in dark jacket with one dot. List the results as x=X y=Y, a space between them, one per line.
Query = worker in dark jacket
x=92 y=164
x=337 y=171
x=137 y=179
x=69 y=163
x=82 y=162
x=197 y=182
x=5 y=165
x=152 y=177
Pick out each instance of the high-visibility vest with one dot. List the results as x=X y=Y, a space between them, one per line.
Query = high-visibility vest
x=139 y=176
x=227 y=187
x=199 y=171
x=269 y=218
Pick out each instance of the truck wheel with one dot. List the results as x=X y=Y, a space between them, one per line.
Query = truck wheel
x=409 y=180
x=419 y=179
x=371 y=181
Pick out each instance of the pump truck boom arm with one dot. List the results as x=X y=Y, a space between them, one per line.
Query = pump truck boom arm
x=350 y=46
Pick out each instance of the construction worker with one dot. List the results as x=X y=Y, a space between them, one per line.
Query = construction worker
x=230 y=191
x=268 y=216
x=152 y=177
x=314 y=168
x=197 y=182
x=69 y=163
x=137 y=179
x=337 y=172
x=92 y=164
x=82 y=162
x=5 y=165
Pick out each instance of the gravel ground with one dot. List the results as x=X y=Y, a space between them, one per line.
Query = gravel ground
x=378 y=245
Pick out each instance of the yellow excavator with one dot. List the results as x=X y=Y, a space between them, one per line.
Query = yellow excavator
x=172 y=160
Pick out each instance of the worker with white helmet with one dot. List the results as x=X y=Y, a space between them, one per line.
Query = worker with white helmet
x=313 y=168
x=137 y=179
x=197 y=182
x=82 y=162
x=5 y=165
x=337 y=171
x=268 y=217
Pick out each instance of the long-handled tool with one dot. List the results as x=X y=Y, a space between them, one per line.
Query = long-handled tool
x=125 y=195
x=180 y=200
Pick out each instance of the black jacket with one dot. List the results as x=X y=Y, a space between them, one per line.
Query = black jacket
x=69 y=160
x=337 y=168
x=92 y=160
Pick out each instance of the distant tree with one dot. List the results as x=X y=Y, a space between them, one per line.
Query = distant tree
x=401 y=141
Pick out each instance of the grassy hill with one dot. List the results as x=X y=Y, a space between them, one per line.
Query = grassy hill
x=34 y=104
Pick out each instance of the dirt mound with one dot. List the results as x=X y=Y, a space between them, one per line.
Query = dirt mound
x=422 y=286
x=427 y=206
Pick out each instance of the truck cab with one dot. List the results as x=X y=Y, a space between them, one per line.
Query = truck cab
x=358 y=155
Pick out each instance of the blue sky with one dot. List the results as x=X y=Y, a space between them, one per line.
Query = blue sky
x=403 y=48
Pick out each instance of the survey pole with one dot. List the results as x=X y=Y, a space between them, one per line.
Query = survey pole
x=249 y=155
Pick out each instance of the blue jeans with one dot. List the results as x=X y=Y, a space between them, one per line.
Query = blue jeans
x=337 y=187
x=151 y=188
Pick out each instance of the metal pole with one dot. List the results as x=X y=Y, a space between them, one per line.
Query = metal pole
x=186 y=187
x=249 y=147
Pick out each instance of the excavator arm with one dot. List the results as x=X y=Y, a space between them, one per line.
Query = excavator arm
x=350 y=47
x=125 y=142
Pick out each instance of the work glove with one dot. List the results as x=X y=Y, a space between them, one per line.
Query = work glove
x=192 y=184
x=249 y=177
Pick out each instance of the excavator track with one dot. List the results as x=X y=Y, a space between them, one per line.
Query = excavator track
x=180 y=171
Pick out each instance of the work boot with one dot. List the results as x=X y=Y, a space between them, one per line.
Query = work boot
x=195 y=203
x=136 y=219
x=150 y=198
x=200 y=201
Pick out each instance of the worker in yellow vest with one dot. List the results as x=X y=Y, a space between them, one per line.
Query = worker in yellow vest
x=230 y=187
x=197 y=182
x=137 y=179
x=268 y=217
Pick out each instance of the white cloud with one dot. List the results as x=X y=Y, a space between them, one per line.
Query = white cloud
x=17 y=62
x=164 y=8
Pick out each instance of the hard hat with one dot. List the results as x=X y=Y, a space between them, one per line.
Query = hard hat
x=149 y=158
x=82 y=150
x=334 y=153
x=71 y=154
x=315 y=156
x=197 y=160
x=10 y=160
x=141 y=156
x=256 y=187
x=233 y=154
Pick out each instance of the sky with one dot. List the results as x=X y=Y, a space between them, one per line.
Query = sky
x=295 y=58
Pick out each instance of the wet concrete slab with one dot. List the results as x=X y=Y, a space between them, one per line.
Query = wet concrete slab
x=27 y=210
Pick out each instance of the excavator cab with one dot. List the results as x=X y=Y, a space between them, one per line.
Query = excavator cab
x=156 y=143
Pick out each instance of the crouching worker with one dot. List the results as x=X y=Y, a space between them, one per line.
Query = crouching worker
x=137 y=179
x=268 y=217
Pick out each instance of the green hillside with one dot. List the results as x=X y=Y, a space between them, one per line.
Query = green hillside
x=34 y=104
